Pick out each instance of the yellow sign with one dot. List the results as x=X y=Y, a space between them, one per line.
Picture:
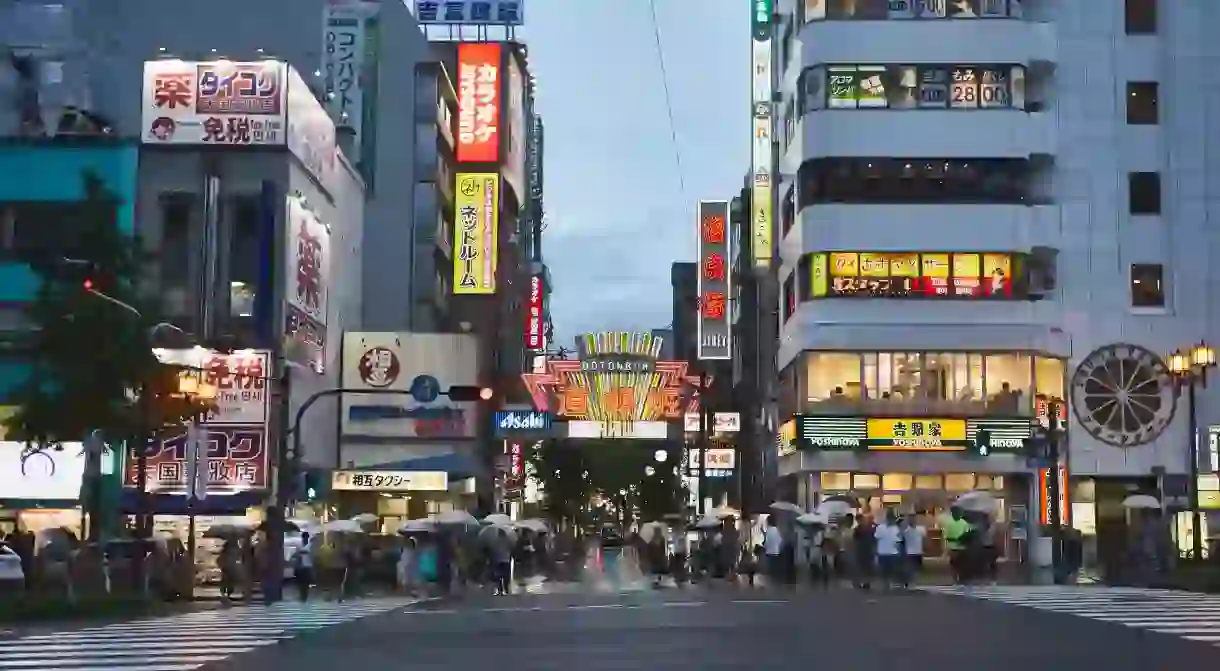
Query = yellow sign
x=936 y=265
x=389 y=481
x=760 y=202
x=905 y=264
x=917 y=434
x=820 y=280
x=476 y=231
x=874 y=264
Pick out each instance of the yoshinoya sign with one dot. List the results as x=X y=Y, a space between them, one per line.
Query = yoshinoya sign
x=715 y=281
x=470 y=12
x=214 y=103
x=815 y=432
x=419 y=367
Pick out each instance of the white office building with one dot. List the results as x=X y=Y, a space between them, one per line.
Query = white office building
x=986 y=208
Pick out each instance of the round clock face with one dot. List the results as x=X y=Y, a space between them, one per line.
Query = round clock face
x=1123 y=395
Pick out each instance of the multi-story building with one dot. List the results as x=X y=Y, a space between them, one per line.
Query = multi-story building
x=987 y=209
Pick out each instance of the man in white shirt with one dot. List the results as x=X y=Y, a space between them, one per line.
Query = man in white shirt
x=913 y=536
x=889 y=549
x=773 y=546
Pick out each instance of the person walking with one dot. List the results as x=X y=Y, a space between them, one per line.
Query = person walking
x=864 y=546
x=773 y=548
x=405 y=567
x=501 y=548
x=957 y=537
x=913 y=536
x=302 y=567
x=888 y=539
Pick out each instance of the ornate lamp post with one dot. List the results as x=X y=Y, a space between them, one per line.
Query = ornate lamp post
x=1189 y=369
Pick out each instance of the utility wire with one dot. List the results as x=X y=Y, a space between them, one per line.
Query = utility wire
x=669 y=106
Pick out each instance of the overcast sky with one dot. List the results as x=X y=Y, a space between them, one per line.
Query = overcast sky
x=617 y=212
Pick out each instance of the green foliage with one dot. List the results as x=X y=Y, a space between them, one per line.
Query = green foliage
x=89 y=356
x=612 y=466
x=561 y=469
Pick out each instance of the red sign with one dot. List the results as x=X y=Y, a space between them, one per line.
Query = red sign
x=534 y=330
x=238 y=460
x=660 y=394
x=514 y=478
x=1044 y=495
x=478 y=103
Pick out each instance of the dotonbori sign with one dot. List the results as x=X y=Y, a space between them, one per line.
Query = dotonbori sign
x=534 y=331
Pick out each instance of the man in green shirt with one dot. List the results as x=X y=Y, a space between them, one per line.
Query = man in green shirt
x=957 y=532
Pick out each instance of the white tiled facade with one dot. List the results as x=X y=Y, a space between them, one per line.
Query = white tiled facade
x=1079 y=60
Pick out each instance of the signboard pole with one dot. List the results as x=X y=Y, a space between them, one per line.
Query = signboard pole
x=702 y=443
x=284 y=465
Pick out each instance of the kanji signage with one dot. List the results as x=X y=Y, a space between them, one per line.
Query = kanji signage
x=478 y=91
x=307 y=277
x=238 y=460
x=575 y=393
x=715 y=281
x=475 y=233
x=349 y=67
x=389 y=481
x=214 y=103
x=762 y=186
x=535 y=330
x=1002 y=435
x=470 y=12
x=946 y=275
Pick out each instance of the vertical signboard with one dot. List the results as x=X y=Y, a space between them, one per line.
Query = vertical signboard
x=715 y=280
x=349 y=57
x=307 y=278
x=475 y=234
x=214 y=103
x=534 y=329
x=478 y=103
x=762 y=182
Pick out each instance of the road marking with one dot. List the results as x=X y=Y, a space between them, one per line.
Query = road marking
x=761 y=601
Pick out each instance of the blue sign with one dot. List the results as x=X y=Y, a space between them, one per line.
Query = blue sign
x=523 y=420
x=425 y=389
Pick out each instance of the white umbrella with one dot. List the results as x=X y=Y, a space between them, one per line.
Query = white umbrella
x=982 y=502
x=813 y=519
x=417 y=526
x=490 y=531
x=456 y=517
x=834 y=508
x=365 y=518
x=709 y=522
x=648 y=530
x=497 y=519
x=786 y=507
x=535 y=525
x=1142 y=502
x=725 y=512
x=342 y=527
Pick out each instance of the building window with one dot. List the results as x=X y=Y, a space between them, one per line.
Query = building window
x=1147 y=285
x=911 y=87
x=788 y=210
x=898 y=10
x=1144 y=193
x=913 y=180
x=1141 y=104
x=789 y=296
x=1140 y=18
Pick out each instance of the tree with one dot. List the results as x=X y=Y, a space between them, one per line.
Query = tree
x=91 y=361
x=561 y=469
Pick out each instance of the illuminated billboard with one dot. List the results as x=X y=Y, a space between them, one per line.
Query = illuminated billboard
x=475 y=233
x=762 y=228
x=478 y=102
x=617 y=388
x=904 y=434
x=715 y=280
x=980 y=275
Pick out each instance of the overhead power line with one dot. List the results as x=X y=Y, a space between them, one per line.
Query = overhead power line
x=669 y=106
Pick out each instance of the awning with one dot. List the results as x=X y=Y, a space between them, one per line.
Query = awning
x=457 y=464
x=175 y=504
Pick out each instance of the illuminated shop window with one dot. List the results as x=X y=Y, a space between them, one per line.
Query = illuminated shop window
x=907 y=10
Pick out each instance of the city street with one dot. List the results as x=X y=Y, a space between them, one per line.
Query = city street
x=727 y=628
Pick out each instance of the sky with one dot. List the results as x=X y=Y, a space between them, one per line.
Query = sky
x=617 y=213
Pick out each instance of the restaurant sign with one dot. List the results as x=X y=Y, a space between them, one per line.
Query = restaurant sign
x=888 y=434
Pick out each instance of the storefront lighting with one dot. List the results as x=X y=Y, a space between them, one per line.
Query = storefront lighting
x=660 y=456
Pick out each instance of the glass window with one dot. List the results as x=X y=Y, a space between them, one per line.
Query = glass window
x=929 y=482
x=1139 y=17
x=1142 y=104
x=838 y=482
x=866 y=481
x=1144 y=193
x=833 y=376
x=905 y=375
x=937 y=379
x=1008 y=382
x=870 y=381
x=843 y=87
x=1147 y=285
x=959 y=482
x=983 y=482
x=997 y=482
x=814 y=89
x=1048 y=378
x=896 y=482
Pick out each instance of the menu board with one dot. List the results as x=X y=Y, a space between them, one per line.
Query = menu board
x=977 y=275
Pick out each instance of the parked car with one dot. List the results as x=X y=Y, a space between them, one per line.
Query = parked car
x=12 y=576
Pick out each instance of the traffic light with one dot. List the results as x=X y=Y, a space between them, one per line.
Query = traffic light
x=88 y=284
x=982 y=443
x=310 y=485
x=469 y=393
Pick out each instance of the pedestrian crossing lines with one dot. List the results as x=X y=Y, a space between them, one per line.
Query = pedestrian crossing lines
x=182 y=642
x=1188 y=615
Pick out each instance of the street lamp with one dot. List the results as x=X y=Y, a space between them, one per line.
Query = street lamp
x=660 y=456
x=649 y=471
x=1190 y=368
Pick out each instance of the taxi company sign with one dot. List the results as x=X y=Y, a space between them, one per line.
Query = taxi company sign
x=909 y=434
x=390 y=481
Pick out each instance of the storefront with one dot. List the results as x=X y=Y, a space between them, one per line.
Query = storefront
x=916 y=466
x=42 y=490
x=397 y=496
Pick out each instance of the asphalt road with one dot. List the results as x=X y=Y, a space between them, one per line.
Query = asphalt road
x=725 y=628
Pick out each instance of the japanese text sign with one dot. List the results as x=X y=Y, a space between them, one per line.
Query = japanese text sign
x=953 y=275
x=390 y=481
x=917 y=434
x=476 y=233
x=237 y=461
x=762 y=229
x=214 y=103
x=240 y=380
x=715 y=280
x=478 y=103
x=347 y=64
x=470 y=12
x=534 y=328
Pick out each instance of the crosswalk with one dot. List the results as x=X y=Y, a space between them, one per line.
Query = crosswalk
x=182 y=642
x=1187 y=615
